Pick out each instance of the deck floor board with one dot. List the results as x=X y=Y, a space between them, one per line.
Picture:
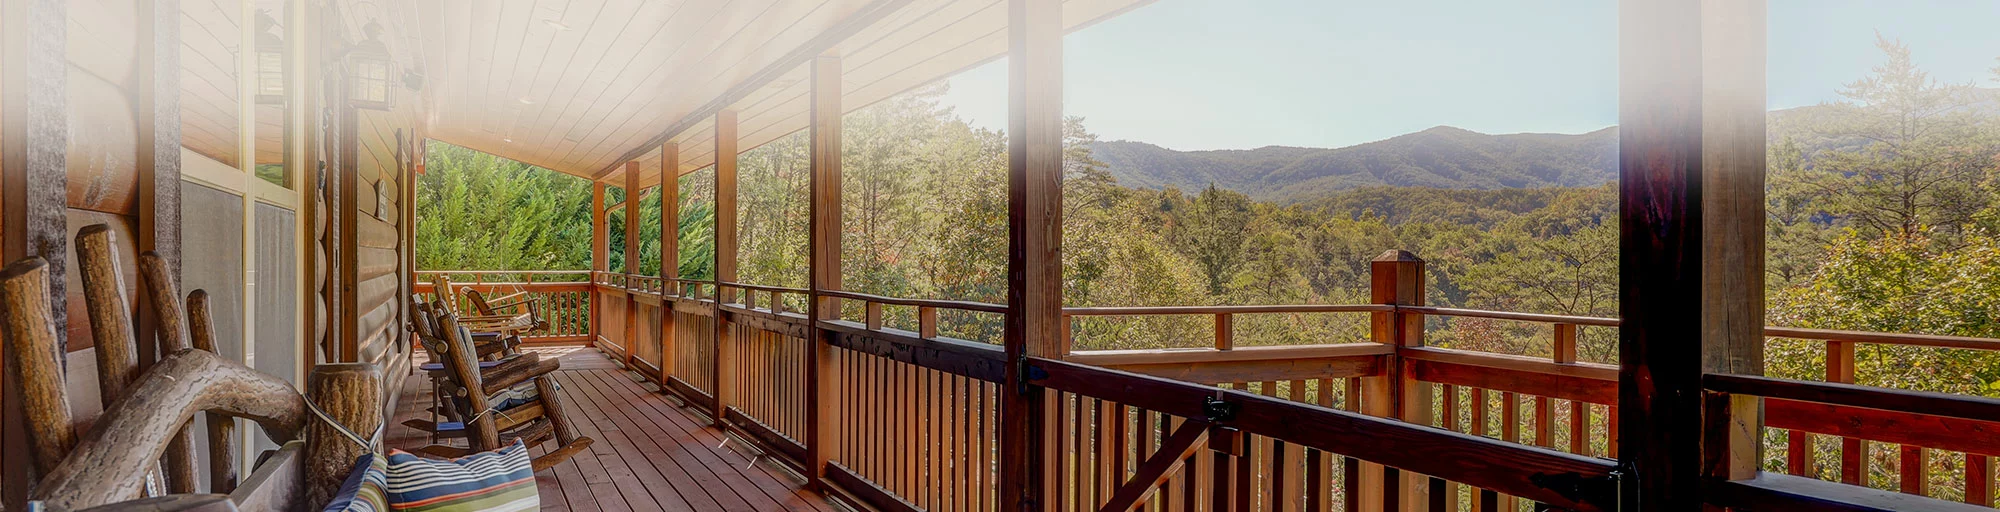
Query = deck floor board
x=648 y=454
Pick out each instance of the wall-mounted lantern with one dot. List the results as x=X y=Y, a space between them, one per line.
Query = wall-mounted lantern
x=369 y=72
x=270 y=60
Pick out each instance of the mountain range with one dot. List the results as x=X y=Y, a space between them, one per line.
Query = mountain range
x=1441 y=157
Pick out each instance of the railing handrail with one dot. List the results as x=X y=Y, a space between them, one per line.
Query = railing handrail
x=534 y=272
x=965 y=305
x=760 y=287
x=1220 y=309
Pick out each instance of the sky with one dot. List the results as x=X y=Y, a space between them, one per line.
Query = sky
x=1238 y=74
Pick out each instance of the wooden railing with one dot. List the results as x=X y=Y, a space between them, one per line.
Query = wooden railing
x=1363 y=424
x=562 y=298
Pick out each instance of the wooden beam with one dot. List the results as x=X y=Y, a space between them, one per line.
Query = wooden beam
x=1732 y=217
x=631 y=320
x=1034 y=321
x=725 y=250
x=1177 y=448
x=670 y=249
x=824 y=271
x=600 y=240
x=34 y=140
x=1691 y=160
x=725 y=199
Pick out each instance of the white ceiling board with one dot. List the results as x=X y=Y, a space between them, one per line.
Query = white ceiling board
x=578 y=86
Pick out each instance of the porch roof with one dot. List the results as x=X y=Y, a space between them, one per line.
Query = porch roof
x=584 y=86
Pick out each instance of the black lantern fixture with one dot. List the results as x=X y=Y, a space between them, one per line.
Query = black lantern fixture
x=270 y=60
x=371 y=76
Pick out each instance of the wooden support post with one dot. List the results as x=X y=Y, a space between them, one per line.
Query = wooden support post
x=823 y=426
x=351 y=394
x=1033 y=326
x=1396 y=277
x=670 y=251
x=600 y=258
x=1691 y=139
x=34 y=118
x=1225 y=331
x=631 y=320
x=725 y=252
x=1853 y=450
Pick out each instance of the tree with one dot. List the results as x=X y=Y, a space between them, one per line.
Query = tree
x=1213 y=232
x=1903 y=151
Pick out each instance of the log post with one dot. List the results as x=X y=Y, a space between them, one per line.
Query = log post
x=1034 y=321
x=27 y=319
x=221 y=428
x=170 y=323
x=110 y=316
x=1691 y=161
x=349 y=393
x=823 y=428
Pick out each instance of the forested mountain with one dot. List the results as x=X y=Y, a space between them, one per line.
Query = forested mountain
x=1442 y=157
x=1882 y=212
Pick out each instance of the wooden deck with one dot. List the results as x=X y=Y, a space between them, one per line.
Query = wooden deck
x=649 y=454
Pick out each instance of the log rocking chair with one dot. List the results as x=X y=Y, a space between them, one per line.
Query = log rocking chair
x=490 y=403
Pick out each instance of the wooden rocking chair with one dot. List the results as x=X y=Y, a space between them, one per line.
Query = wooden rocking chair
x=493 y=352
x=491 y=405
x=502 y=320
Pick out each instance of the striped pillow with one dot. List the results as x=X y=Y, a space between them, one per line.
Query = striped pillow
x=499 y=481
x=362 y=492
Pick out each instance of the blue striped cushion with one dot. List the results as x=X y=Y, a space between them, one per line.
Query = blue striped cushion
x=363 y=490
x=500 y=481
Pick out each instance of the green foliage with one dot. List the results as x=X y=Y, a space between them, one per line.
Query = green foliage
x=476 y=211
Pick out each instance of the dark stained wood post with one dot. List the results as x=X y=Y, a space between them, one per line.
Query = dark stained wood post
x=1691 y=141
x=631 y=320
x=1033 y=325
x=670 y=250
x=822 y=427
x=600 y=257
x=159 y=163
x=725 y=250
x=350 y=393
x=34 y=140
x=1397 y=277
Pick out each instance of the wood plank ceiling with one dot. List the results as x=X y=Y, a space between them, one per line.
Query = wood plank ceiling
x=580 y=86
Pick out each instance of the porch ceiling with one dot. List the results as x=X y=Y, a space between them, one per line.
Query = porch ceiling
x=582 y=86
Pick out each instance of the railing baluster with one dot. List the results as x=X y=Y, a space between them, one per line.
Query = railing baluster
x=1225 y=331
x=927 y=322
x=1979 y=479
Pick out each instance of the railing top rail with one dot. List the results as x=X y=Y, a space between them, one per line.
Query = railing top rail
x=1510 y=315
x=534 y=272
x=1244 y=309
x=929 y=303
x=762 y=288
x=1884 y=338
